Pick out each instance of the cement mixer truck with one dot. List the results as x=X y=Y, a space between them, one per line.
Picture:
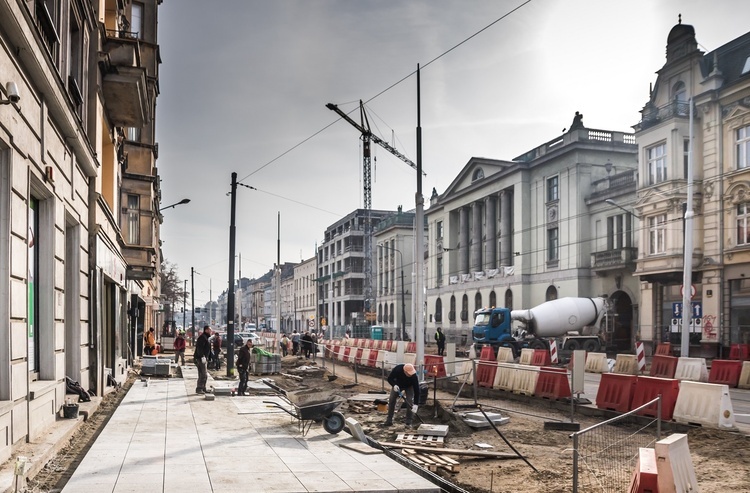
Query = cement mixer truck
x=573 y=322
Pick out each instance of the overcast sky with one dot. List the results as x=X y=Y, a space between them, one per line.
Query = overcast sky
x=244 y=84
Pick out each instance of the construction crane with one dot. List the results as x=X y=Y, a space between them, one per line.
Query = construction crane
x=367 y=137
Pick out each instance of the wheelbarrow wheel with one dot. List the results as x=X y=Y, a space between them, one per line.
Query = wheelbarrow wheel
x=334 y=422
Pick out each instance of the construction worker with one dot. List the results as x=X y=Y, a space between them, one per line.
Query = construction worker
x=243 y=365
x=404 y=383
x=149 y=342
x=202 y=351
x=440 y=339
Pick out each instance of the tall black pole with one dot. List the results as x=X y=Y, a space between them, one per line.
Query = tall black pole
x=403 y=302
x=192 y=301
x=230 y=298
x=184 y=304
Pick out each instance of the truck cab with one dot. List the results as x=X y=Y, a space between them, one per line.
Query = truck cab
x=492 y=325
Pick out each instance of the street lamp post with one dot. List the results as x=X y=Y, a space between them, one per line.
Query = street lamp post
x=183 y=201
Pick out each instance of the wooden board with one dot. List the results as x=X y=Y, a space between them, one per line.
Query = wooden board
x=451 y=451
x=420 y=440
x=432 y=462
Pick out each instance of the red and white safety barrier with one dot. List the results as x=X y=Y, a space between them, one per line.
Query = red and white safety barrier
x=553 y=351
x=640 y=356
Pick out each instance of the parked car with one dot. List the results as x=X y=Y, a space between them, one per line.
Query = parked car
x=257 y=340
x=238 y=341
x=250 y=328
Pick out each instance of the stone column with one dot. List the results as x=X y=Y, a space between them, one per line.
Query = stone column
x=505 y=222
x=490 y=243
x=476 y=236
x=463 y=240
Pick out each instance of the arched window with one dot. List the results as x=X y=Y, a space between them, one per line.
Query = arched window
x=438 y=310
x=477 y=301
x=380 y=313
x=390 y=315
x=452 y=312
x=477 y=175
x=465 y=308
x=679 y=92
x=551 y=293
x=508 y=299
x=493 y=299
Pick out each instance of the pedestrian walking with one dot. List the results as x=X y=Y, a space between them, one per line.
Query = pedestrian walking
x=243 y=365
x=216 y=346
x=284 y=344
x=306 y=344
x=202 y=352
x=440 y=339
x=295 y=342
x=314 y=343
x=179 y=348
x=149 y=342
x=404 y=382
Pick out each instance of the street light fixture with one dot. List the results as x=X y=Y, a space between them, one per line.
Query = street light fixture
x=183 y=201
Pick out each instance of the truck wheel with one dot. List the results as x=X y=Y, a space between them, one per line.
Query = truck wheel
x=591 y=346
x=539 y=344
x=572 y=345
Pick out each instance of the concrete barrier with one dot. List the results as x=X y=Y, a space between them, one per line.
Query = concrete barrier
x=390 y=359
x=744 y=382
x=505 y=355
x=410 y=358
x=364 y=358
x=527 y=355
x=596 y=363
x=626 y=364
x=525 y=381
x=704 y=403
x=465 y=370
x=693 y=369
x=505 y=377
x=674 y=464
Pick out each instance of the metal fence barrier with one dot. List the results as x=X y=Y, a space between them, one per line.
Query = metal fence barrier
x=605 y=454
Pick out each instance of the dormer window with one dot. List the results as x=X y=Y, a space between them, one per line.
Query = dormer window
x=746 y=68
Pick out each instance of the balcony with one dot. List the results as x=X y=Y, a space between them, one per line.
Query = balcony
x=620 y=258
x=652 y=116
x=124 y=82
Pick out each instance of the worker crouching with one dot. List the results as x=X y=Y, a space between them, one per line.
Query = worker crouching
x=404 y=384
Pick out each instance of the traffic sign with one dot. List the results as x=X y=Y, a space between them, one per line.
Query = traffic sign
x=692 y=291
x=696 y=308
x=311 y=323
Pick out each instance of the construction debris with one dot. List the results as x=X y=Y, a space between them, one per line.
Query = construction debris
x=433 y=430
x=478 y=421
x=451 y=451
x=420 y=440
x=432 y=462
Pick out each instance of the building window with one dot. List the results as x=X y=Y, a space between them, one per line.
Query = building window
x=743 y=224
x=439 y=230
x=465 y=308
x=136 y=21
x=33 y=286
x=553 y=188
x=551 y=293
x=657 y=234
x=743 y=147
x=657 y=164
x=438 y=310
x=439 y=272
x=493 y=299
x=452 y=311
x=477 y=175
x=553 y=244
x=133 y=134
x=615 y=232
x=134 y=220
x=685 y=156
x=477 y=301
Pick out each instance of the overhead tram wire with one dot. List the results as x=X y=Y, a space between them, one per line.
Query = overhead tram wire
x=409 y=75
x=287 y=198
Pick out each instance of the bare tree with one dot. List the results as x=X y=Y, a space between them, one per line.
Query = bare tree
x=172 y=291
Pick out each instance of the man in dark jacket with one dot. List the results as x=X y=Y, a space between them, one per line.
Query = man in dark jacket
x=404 y=381
x=243 y=365
x=202 y=352
x=216 y=342
x=306 y=344
x=179 y=348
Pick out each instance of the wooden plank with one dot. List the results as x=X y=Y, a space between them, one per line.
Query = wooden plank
x=420 y=440
x=450 y=451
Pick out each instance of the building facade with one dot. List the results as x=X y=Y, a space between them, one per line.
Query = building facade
x=717 y=87
x=394 y=253
x=305 y=295
x=75 y=78
x=345 y=273
x=518 y=233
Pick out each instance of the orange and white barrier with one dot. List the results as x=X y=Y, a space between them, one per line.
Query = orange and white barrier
x=526 y=379
x=505 y=377
x=527 y=356
x=553 y=351
x=705 y=403
x=646 y=474
x=505 y=355
x=744 y=382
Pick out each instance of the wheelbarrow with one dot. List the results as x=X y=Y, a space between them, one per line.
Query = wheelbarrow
x=310 y=406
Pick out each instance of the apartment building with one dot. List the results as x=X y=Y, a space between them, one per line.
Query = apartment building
x=716 y=86
x=75 y=78
x=305 y=295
